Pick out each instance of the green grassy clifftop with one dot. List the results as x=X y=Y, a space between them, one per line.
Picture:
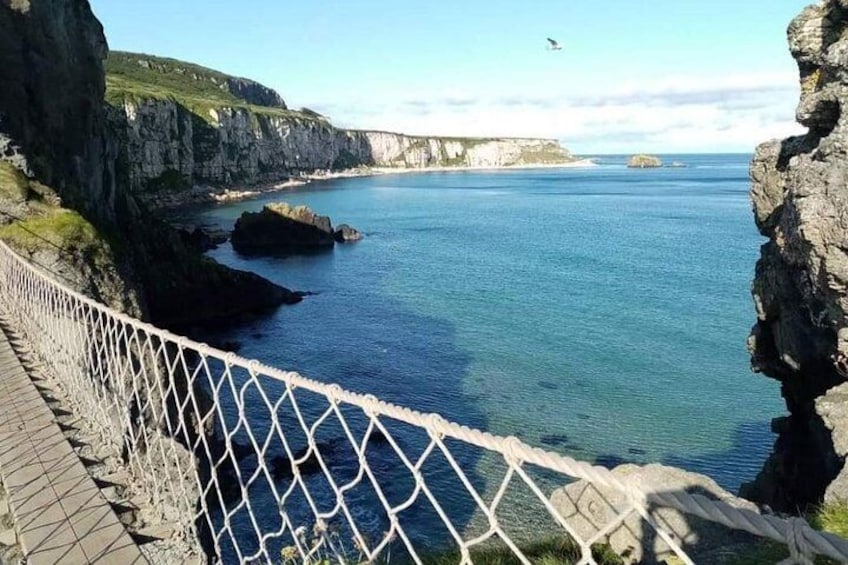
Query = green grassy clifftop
x=135 y=76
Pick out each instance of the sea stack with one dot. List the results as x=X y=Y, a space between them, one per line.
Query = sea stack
x=644 y=162
x=282 y=228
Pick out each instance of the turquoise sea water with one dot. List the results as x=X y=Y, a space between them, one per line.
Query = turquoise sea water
x=599 y=312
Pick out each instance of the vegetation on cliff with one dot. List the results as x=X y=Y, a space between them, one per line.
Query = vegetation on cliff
x=133 y=77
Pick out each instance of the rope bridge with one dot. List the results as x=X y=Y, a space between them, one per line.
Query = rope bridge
x=256 y=464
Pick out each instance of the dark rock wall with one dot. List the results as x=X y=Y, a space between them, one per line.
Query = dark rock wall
x=800 y=196
x=51 y=93
x=56 y=127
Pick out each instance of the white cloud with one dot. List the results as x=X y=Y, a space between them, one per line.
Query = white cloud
x=673 y=114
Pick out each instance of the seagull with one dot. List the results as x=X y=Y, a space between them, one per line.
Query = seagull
x=554 y=45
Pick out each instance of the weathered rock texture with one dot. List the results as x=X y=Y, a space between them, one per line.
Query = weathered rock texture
x=182 y=125
x=281 y=228
x=644 y=162
x=171 y=147
x=344 y=234
x=589 y=508
x=800 y=195
x=64 y=178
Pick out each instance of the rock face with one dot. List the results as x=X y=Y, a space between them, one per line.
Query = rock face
x=589 y=508
x=51 y=100
x=344 y=233
x=281 y=228
x=801 y=284
x=217 y=130
x=644 y=162
x=170 y=147
x=58 y=148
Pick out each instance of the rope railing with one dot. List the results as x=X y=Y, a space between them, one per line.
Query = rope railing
x=255 y=464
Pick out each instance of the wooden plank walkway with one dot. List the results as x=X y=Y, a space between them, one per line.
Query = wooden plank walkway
x=60 y=514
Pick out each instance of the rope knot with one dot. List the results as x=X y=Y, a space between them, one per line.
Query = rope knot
x=513 y=449
x=371 y=404
x=436 y=423
x=334 y=393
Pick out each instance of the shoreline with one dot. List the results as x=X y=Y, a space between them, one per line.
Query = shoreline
x=210 y=195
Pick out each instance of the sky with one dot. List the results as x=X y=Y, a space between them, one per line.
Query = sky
x=650 y=76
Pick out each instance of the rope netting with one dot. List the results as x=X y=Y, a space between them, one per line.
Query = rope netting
x=261 y=465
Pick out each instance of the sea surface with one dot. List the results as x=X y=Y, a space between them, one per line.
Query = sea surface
x=597 y=312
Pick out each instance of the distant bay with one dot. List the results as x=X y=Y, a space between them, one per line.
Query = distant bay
x=598 y=312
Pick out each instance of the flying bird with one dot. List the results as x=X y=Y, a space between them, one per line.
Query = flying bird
x=554 y=45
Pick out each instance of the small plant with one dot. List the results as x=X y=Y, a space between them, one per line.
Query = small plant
x=832 y=517
x=811 y=82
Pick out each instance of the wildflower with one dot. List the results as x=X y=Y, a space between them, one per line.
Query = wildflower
x=289 y=553
x=319 y=528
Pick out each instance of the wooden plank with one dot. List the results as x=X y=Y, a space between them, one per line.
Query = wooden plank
x=60 y=514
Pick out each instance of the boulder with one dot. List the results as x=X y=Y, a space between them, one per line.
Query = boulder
x=282 y=228
x=588 y=508
x=202 y=238
x=344 y=234
x=644 y=162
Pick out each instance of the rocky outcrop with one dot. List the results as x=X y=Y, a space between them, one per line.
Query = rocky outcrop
x=345 y=234
x=589 y=508
x=644 y=162
x=282 y=228
x=801 y=284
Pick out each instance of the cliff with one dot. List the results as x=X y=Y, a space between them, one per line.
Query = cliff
x=182 y=128
x=64 y=198
x=801 y=282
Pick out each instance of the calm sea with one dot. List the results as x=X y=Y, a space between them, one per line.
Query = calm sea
x=599 y=312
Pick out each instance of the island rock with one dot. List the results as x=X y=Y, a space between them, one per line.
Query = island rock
x=644 y=162
x=344 y=234
x=282 y=228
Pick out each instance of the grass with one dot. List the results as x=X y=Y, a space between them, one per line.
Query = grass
x=14 y=185
x=195 y=87
x=60 y=229
x=536 y=156
x=832 y=518
x=551 y=551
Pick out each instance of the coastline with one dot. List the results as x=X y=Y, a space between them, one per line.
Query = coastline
x=209 y=195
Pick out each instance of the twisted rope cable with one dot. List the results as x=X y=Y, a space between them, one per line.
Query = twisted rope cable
x=71 y=332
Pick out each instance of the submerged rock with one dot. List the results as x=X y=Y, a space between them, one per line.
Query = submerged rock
x=644 y=162
x=344 y=233
x=281 y=228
